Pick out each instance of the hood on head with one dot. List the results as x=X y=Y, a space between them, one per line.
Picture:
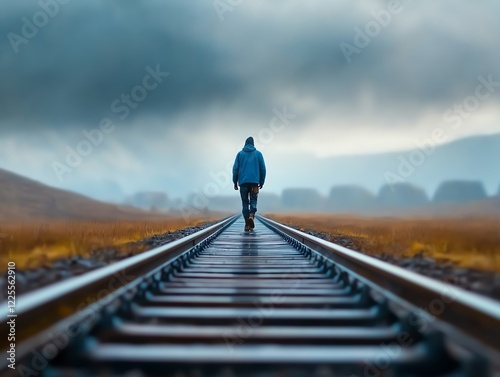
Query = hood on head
x=249 y=145
x=249 y=148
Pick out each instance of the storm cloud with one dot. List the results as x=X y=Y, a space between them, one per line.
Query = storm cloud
x=227 y=73
x=91 y=52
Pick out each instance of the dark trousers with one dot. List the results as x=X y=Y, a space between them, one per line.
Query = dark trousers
x=248 y=198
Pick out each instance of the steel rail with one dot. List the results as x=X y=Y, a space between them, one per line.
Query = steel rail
x=475 y=315
x=38 y=310
x=179 y=310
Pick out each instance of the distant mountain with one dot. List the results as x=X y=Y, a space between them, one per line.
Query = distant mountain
x=459 y=177
x=401 y=195
x=302 y=199
x=25 y=199
x=454 y=198
x=472 y=158
x=351 y=198
x=460 y=192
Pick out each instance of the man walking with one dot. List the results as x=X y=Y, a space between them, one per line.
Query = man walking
x=249 y=170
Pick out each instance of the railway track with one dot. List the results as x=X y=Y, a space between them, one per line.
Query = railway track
x=274 y=302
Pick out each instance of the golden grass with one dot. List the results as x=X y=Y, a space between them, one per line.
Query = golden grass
x=30 y=244
x=468 y=242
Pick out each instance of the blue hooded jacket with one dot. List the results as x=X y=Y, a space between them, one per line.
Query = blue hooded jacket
x=249 y=166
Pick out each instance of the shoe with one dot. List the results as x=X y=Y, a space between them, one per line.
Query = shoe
x=250 y=221
x=247 y=228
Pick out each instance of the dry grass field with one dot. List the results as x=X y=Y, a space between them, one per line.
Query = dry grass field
x=35 y=243
x=468 y=242
x=39 y=223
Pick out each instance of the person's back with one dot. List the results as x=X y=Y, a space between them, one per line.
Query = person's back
x=249 y=171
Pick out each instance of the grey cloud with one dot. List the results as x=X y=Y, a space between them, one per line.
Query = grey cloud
x=91 y=53
x=94 y=51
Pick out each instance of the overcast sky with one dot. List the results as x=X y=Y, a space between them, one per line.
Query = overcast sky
x=224 y=72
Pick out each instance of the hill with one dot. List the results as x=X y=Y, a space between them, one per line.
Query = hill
x=23 y=199
x=472 y=158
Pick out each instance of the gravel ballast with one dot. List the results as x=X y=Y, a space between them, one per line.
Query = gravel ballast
x=64 y=268
x=482 y=282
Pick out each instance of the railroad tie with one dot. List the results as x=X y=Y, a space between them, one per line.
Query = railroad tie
x=256 y=304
